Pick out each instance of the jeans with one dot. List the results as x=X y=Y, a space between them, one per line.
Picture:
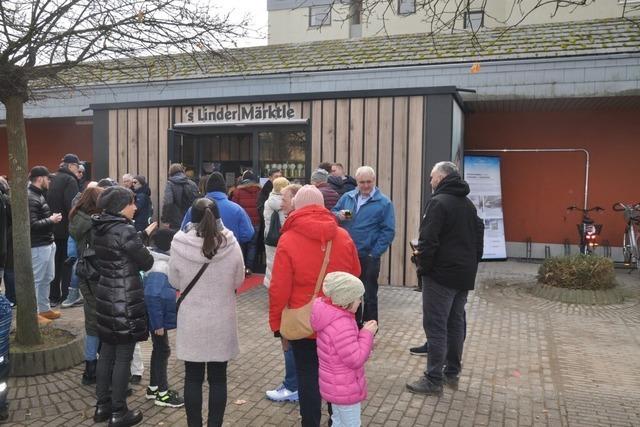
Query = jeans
x=113 y=373
x=10 y=285
x=72 y=252
x=290 y=377
x=91 y=344
x=346 y=415
x=445 y=326
x=62 y=272
x=43 y=263
x=369 y=276
x=306 y=359
x=137 y=366
x=250 y=249
x=159 y=359
x=193 y=379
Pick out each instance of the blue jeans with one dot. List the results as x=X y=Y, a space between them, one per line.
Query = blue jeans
x=445 y=326
x=346 y=415
x=91 y=344
x=370 y=269
x=43 y=262
x=72 y=252
x=290 y=378
x=250 y=249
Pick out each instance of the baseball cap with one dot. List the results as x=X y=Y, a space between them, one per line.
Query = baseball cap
x=71 y=158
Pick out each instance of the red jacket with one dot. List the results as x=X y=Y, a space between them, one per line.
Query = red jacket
x=299 y=258
x=246 y=195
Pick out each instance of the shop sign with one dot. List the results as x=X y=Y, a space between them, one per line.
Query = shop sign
x=239 y=113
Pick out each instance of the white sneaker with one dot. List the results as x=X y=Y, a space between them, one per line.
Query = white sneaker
x=282 y=394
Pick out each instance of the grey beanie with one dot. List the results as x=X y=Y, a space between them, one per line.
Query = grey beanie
x=343 y=288
x=114 y=199
x=319 y=175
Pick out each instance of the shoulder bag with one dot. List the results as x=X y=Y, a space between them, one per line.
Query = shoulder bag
x=273 y=234
x=190 y=285
x=295 y=323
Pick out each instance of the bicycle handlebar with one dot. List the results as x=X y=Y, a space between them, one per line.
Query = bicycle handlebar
x=619 y=207
x=593 y=209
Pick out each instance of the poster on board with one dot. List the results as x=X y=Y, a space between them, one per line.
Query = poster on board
x=483 y=175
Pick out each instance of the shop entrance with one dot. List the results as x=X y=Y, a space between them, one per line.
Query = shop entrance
x=231 y=151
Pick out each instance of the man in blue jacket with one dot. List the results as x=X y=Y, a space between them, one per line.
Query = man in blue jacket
x=368 y=216
x=233 y=216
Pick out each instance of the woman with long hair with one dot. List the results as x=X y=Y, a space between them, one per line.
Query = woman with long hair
x=80 y=231
x=120 y=256
x=207 y=335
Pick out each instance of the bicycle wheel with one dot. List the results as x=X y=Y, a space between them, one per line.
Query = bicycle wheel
x=627 y=250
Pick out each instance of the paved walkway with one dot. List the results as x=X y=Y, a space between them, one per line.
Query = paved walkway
x=527 y=362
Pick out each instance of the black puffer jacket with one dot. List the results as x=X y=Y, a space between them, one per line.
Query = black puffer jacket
x=451 y=236
x=62 y=190
x=39 y=213
x=342 y=184
x=120 y=309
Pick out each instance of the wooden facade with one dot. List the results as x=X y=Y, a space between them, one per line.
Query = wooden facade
x=386 y=132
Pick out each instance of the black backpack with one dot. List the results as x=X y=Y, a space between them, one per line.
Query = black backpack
x=273 y=235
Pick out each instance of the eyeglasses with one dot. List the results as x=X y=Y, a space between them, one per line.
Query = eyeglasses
x=365 y=182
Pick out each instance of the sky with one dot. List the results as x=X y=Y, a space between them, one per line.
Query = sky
x=256 y=9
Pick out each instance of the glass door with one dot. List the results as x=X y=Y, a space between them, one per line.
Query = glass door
x=284 y=150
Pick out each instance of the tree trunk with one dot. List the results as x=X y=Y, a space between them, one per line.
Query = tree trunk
x=27 y=329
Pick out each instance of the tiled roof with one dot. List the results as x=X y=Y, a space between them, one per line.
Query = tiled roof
x=523 y=42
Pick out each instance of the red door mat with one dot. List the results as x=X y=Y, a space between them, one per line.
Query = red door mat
x=251 y=282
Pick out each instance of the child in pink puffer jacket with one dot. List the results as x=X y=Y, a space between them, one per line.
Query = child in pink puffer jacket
x=342 y=349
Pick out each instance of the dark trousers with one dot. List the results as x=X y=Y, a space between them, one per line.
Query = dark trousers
x=60 y=285
x=193 y=379
x=306 y=357
x=113 y=373
x=159 y=359
x=370 y=269
x=445 y=326
x=10 y=285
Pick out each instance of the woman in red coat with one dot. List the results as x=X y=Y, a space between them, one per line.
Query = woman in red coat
x=296 y=267
x=246 y=195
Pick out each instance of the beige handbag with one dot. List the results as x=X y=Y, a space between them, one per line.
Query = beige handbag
x=295 y=323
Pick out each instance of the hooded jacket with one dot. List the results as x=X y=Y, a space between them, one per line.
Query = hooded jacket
x=246 y=195
x=299 y=257
x=342 y=184
x=39 y=213
x=62 y=190
x=451 y=236
x=342 y=353
x=232 y=215
x=159 y=296
x=143 y=205
x=121 y=256
x=207 y=320
x=179 y=194
x=373 y=226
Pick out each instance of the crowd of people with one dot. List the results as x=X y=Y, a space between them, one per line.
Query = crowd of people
x=94 y=243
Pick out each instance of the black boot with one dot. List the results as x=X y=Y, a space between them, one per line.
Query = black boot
x=125 y=418
x=103 y=412
x=89 y=375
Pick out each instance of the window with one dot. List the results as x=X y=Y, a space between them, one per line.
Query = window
x=406 y=7
x=319 y=16
x=474 y=20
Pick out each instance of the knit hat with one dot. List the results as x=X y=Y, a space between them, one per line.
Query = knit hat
x=37 y=171
x=343 y=288
x=114 y=199
x=162 y=238
x=71 y=158
x=106 y=183
x=279 y=184
x=141 y=180
x=319 y=175
x=216 y=182
x=308 y=195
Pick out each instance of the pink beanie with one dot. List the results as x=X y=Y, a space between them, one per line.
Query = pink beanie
x=308 y=195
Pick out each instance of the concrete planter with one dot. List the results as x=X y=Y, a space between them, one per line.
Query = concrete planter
x=579 y=296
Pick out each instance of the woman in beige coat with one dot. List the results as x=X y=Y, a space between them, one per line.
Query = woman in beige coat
x=273 y=204
x=207 y=335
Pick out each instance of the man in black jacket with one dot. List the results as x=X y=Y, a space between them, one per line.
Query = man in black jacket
x=449 y=249
x=62 y=190
x=43 y=248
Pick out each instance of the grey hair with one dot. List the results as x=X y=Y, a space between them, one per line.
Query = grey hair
x=366 y=170
x=127 y=175
x=446 y=168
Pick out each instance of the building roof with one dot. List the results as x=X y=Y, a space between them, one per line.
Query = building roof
x=596 y=37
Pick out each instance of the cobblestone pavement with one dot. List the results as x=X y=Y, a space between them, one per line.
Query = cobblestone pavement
x=527 y=362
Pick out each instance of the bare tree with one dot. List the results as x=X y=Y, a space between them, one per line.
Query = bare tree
x=49 y=43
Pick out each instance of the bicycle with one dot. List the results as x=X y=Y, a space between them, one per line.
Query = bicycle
x=630 y=240
x=588 y=229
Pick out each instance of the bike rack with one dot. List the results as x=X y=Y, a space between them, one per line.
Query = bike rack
x=567 y=247
x=547 y=252
x=529 y=244
x=606 y=248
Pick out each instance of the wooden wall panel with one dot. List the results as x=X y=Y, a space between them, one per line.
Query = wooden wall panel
x=113 y=144
x=154 y=178
x=414 y=177
x=328 y=132
x=316 y=133
x=132 y=141
x=356 y=135
x=164 y=121
x=342 y=132
x=400 y=248
x=143 y=142
x=370 y=156
x=122 y=144
x=384 y=166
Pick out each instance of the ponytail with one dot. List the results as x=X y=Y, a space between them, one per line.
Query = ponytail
x=211 y=235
